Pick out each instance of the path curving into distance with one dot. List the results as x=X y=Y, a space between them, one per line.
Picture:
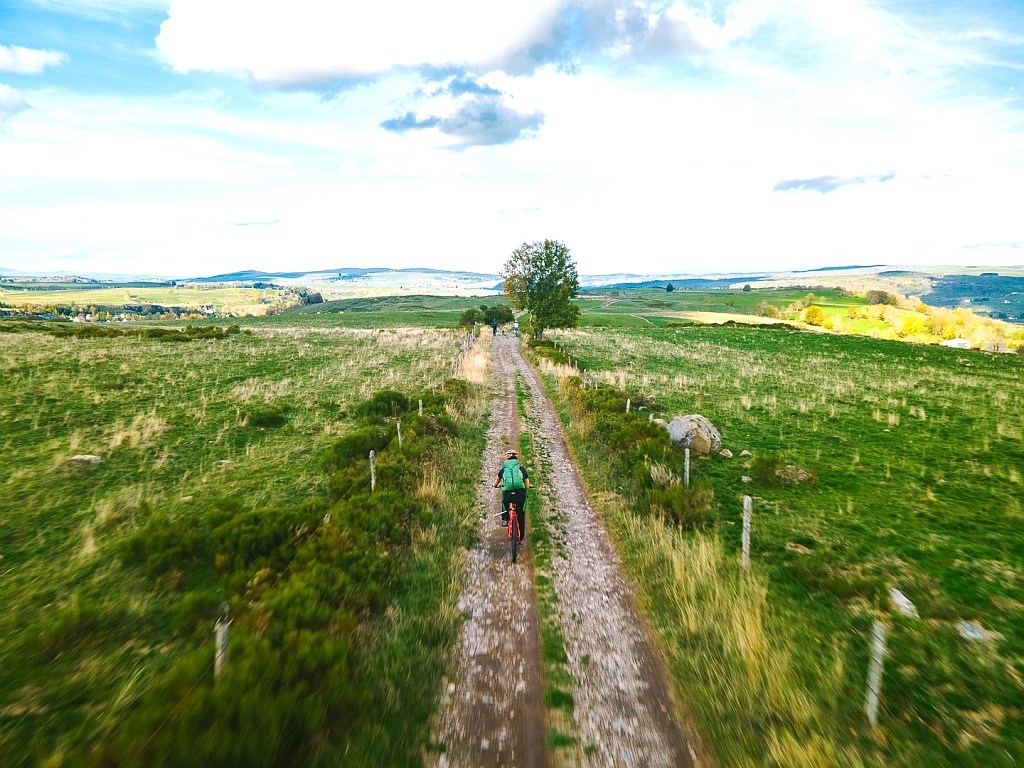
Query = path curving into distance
x=491 y=711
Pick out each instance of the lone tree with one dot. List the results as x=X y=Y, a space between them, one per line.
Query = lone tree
x=541 y=278
x=669 y=288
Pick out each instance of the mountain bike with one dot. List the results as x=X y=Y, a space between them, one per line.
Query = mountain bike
x=515 y=533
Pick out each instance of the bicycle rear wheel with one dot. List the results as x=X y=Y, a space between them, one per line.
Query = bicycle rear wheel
x=513 y=533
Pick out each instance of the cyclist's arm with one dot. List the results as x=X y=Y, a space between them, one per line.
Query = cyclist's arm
x=526 y=477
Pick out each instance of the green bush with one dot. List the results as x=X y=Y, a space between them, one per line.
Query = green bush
x=686 y=507
x=195 y=608
x=634 y=442
x=764 y=466
x=356 y=446
x=387 y=402
x=470 y=316
x=500 y=312
x=304 y=582
x=268 y=416
x=546 y=348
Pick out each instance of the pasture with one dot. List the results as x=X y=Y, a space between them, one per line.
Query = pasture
x=914 y=458
x=110 y=584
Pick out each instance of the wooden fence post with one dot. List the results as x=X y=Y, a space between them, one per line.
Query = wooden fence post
x=627 y=405
x=421 y=407
x=399 y=434
x=747 y=506
x=373 y=470
x=875 y=672
x=686 y=466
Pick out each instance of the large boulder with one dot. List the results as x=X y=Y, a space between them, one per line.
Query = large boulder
x=693 y=432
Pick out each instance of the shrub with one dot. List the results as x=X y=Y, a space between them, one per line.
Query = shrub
x=387 y=402
x=470 y=316
x=546 y=348
x=195 y=608
x=355 y=447
x=685 y=507
x=763 y=467
x=268 y=416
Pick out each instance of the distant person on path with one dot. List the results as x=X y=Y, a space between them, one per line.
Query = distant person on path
x=513 y=477
x=494 y=326
x=515 y=327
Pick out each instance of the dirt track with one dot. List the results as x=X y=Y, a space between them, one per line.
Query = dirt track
x=623 y=709
x=491 y=711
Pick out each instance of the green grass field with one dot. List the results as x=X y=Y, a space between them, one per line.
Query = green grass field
x=97 y=646
x=919 y=460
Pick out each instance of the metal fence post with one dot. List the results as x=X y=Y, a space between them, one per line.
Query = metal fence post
x=373 y=470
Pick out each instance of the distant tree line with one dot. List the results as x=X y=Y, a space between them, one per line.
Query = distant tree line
x=487 y=315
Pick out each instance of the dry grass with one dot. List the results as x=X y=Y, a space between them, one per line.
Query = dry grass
x=722 y=623
x=476 y=368
x=145 y=427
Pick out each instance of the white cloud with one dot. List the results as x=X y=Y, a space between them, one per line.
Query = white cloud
x=28 y=61
x=11 y=103
x=101 y=8
x=306 y=41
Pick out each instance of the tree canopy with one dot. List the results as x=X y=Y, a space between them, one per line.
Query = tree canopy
x=541 y=277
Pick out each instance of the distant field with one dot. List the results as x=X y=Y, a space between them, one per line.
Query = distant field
x=240 y=300
x=845 y=313
x=919 y=457
x=188 y=434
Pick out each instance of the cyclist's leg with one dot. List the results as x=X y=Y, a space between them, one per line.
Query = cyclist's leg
x=506 y=496
x=520 y=500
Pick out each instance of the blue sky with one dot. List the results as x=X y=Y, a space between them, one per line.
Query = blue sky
x=198 y=136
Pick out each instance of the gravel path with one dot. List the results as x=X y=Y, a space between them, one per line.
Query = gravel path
x=623 y=706
x=491 y=711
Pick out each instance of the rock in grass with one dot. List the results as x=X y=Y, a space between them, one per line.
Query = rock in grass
x=693 y=432
x=745 y=453
x=901 y=603
x=84 y=460
x=746 y=479
x=725 y=453
x=970 y=630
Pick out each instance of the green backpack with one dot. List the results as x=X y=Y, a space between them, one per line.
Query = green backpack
x=512 y=475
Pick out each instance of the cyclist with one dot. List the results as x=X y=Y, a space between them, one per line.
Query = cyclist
x=494 y=327
x=513 y=477
x=515 y=327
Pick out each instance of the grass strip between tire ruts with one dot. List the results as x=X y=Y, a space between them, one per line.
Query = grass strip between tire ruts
x=542 y=517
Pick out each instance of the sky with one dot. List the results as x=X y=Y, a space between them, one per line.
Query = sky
x=196 y=137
